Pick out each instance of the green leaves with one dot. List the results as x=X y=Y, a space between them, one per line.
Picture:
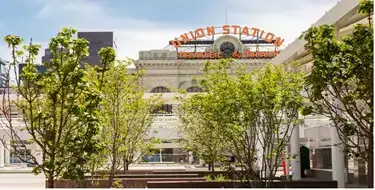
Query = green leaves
x=241 y=112
x=13 y=40
x=60 y=107
x=108 y=56
x=125 y=113
x=342 y=72
x=366 y=7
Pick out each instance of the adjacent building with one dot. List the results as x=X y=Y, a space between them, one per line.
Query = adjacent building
x=97 y=40
x=2 y=72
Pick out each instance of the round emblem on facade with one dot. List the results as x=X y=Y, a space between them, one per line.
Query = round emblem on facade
x=227 y=49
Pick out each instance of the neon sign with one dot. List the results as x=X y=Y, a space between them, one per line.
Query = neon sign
x=237 y=55
x=227 y=29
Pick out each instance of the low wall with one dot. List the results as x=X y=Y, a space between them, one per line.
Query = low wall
x=135 y=173
x=129 y=176
x=206 y=173
x=231 y=184
x=141 y=171
x=326 y=174
x=126 y=183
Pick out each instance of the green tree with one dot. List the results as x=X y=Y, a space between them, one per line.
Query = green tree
x=127 y=117
x=340 y=85
x=276 y=96
x=247 y=112
x=199 y=131
x=59 y=107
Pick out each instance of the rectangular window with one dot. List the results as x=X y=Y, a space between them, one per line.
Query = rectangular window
x=322 y=158
x=164 y=109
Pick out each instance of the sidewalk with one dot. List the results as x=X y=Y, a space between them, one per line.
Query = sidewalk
x=156 y=167
x=21 y=181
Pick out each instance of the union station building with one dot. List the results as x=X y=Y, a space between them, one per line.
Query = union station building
x=176 y=66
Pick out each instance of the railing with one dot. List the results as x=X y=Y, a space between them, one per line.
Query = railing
x=165 y=118
x=175 y=158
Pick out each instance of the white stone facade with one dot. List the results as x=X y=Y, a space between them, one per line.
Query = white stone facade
x=163 y=69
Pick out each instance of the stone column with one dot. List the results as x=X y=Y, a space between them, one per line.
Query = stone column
x=346 y=161
x=287 y=161
x=338 y=159
x=295 y=154
x=191 y=157
x=308 y=145
x=7 y=153
x=1 y=155
x=338 y=154
x=161 y=155
x=359 y=172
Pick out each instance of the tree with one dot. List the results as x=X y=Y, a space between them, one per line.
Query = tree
x=127 y=117
x=59 y=108
x=276 y=97
x=249 y=112
x=340 y=85
x=199 y=132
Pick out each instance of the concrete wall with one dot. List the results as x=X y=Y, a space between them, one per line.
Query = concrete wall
x=324 y=174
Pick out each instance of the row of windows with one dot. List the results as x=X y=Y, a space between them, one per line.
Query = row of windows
x=164 y=109
x=160 y=89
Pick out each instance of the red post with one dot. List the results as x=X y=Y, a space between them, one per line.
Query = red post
x=284 y=165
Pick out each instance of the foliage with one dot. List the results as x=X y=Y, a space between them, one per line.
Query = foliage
x=220 y=178
x=277 y=99
x=126 y=116
x=117 y=184
x=216 y=178
x=340 y=84
x=199 y=132
x=59 y=107
x=245 y=112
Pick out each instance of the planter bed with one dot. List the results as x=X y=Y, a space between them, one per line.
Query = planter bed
x=127 y=182
x=237 y=184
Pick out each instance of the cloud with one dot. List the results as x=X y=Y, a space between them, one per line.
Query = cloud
x=287 y=18
x=131 y=35
x=52 y=8
x=6 y=52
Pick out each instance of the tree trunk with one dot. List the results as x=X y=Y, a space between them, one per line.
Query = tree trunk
x=124 y=160
x=126 y=166
x=370 y=161
x=212 y=170
x=50 y=180
x=114 y=160
x=112 y=174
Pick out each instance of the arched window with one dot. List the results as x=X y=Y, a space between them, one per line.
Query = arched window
x=160 y=89
x=194 y=89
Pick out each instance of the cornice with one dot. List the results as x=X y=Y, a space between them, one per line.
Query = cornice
x=192 y=63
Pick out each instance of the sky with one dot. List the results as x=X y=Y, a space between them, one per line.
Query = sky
x=150 y=24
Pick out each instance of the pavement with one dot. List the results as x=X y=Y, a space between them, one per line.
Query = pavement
x=21 y=181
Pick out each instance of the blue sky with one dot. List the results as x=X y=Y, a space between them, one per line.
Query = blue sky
x=150 y=24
